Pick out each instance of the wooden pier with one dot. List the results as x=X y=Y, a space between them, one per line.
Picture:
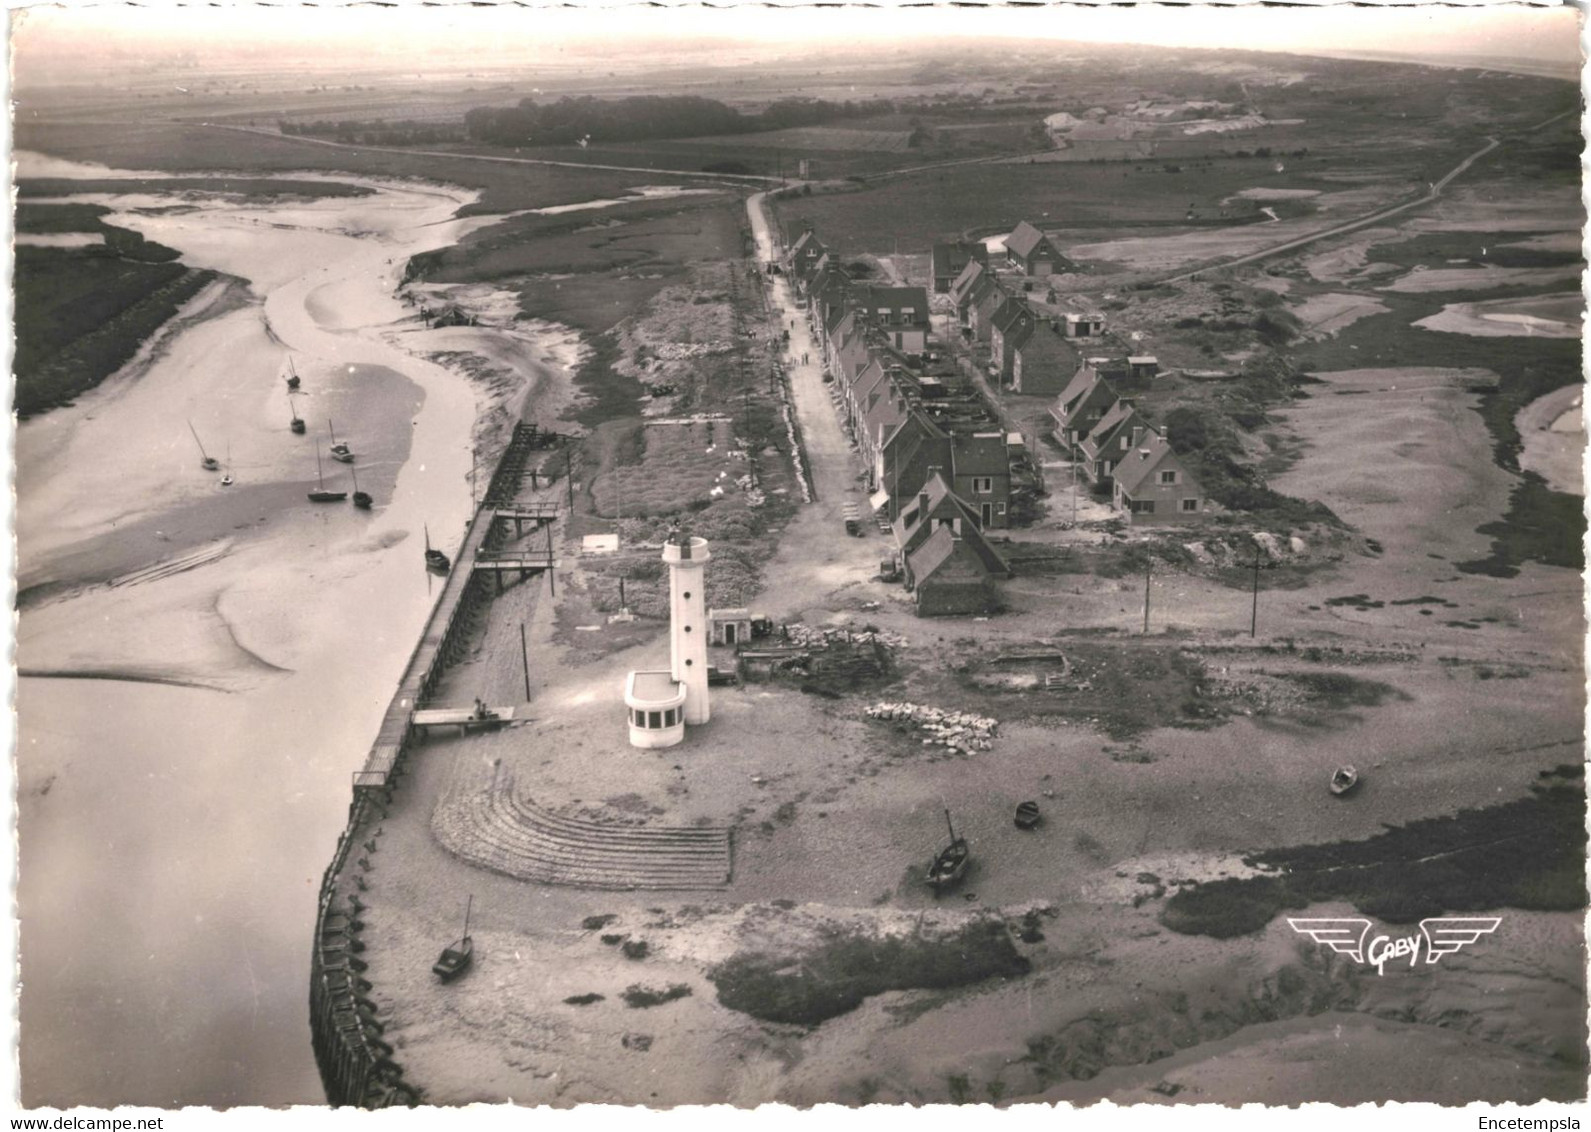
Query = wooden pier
x=442 y=639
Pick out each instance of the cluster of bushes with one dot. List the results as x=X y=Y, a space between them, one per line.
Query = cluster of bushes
x=376 y=132
x=645 y=117
x=847 y=967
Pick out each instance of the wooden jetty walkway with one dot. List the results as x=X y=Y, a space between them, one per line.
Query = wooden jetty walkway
x=442 y=630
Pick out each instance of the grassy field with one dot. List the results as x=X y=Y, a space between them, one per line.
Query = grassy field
x=991 y=198
x=81 y=316
x=664 y=469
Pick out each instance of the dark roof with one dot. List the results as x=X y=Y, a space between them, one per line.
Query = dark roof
x=1151 y=453
x=951 y=256
x=1043 y=344
x=1083 y=382
x=947 y=556
x=1007 y=313
x=970 y=274
x=1023 y=239
x=1121 y=415
x=990 y=300
x=980 y=454
x=896 y=298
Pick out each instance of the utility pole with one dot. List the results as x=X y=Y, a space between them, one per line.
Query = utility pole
x=1074 y=485
x=551 y=581
x=473 y=504
x=524 y=656
x=1147 y=572
x=569 y=474
x=1254 y=613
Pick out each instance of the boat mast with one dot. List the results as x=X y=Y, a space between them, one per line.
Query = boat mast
x=949 y=826
x=197 y=441
x=468 y=907
x=321 y=477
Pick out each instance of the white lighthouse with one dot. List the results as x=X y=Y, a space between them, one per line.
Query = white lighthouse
x=687 y=560
x=660 y=704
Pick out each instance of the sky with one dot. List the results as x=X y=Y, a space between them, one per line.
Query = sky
x=499 y=33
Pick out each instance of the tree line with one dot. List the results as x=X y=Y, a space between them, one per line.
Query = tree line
x=571 y=120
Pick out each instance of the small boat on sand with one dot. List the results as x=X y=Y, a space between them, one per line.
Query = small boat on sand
x=1344 y=779
x=321 y=495
x=435 y=560
x=1028 y=816
x=339 y=451
x=950 y=865
x=362 y=499
x=292 y=375
x=226 y=478
x=208 y=462
x=457 y=956
x=298 y=421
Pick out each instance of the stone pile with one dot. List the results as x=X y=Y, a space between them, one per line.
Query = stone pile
x=817 y=636
x=957 y=730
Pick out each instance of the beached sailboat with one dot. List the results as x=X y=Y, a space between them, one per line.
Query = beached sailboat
x=321 y=495
x=435 y=560
x=457 y=956
x=1344 y=779
x=339 y=451
x=208 y=462
x=298 y=421
x=362 y=499
x=950 y=865
x=226 y=477
x=292 y=375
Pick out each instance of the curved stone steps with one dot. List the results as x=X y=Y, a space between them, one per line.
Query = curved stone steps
x=489 y=824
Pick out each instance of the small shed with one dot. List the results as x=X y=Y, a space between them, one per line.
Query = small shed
x=729 y=626
x=761 y=664
x=1143 y=367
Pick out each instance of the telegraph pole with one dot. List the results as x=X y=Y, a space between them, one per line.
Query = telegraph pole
x=569 y=474
x=551 y=581
x=1147 y=571
x=524 y=656
x=1074 y=485
x=1254 y=612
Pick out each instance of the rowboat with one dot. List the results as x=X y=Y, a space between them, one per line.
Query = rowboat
x=950 y=864
x=1344 y=779
x=457 y=956
x=1028 y=816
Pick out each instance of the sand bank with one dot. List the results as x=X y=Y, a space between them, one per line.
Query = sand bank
x=1325 y=315
x=1422 y=281
x=1539 y=316
x=1552 y=435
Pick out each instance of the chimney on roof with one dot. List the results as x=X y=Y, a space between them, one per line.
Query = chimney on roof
x=922 y=504
x=1137 y=435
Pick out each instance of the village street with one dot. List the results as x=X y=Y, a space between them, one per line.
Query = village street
x=814 y=558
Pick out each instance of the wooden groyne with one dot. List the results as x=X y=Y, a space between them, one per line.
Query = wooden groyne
x=356 y=1064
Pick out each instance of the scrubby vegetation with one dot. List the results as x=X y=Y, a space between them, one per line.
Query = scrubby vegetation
x=637 y=997
x=848 y=966
x=1525 y=854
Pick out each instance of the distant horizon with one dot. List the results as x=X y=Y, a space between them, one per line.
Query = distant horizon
x=406 y=36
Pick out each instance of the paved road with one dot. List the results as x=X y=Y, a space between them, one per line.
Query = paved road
x=815 y=557
x=1352 y=225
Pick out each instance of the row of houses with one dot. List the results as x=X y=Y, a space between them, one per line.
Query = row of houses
x=1120 y=452
x=938 y=465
